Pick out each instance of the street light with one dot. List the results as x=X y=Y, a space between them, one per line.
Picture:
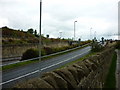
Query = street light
x=95 y=35
x=60 y=35
x=74 y=29
x=40 y=45
x=90 y=33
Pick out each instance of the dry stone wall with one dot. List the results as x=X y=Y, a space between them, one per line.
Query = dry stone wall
x=89 y=73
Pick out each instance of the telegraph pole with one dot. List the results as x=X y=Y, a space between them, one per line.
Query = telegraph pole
x=40 y=45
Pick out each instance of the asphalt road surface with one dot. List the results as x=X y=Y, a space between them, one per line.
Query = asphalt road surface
x=11 y=77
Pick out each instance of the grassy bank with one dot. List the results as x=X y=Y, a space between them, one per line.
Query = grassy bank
x=111 y=80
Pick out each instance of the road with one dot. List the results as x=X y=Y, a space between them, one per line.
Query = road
x=11 y=77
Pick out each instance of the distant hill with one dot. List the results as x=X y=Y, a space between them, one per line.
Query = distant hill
x=11 y=33
x=11 y=36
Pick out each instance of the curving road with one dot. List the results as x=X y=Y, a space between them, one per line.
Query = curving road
x=11 y=77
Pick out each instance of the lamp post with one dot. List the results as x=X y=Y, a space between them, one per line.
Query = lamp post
x=74 y=29
x=60 y=35
x=90 y=33
x=95 y=35
x=40 y=45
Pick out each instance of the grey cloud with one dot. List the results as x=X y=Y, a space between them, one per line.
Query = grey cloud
x=24 y=14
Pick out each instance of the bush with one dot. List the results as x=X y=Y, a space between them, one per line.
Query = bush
x=48 y=50
x=55 y=50
x=43 y=52
x=30 y=53
x=96 y=47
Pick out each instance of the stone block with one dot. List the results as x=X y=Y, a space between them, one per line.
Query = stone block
x=60 y=82
x=67 y=76
x=34 y=83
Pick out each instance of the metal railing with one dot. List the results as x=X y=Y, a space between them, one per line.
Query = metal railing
x=45 y=55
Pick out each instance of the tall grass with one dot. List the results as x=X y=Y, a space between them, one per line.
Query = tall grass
x=111 y=80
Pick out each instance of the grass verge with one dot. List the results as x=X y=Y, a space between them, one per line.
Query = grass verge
x=17 y=65
x=12 y=66
x=111 y=80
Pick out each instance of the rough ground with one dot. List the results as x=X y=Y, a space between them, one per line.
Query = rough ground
x=118 y=69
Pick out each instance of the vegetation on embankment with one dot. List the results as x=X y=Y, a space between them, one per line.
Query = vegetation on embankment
x=16 y=42
x=14 y=37
x=32 y=53
x=111 y=77
x=118 y=44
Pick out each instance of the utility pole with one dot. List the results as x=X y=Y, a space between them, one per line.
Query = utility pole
x=40 y=45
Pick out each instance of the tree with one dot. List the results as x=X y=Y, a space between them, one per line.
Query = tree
x=21 y=30
x=35 y=32
x=47 y=36
x=30 y=31
x=102 y=40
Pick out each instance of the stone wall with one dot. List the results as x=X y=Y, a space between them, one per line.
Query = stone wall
x=89 y=73
x=18 y=50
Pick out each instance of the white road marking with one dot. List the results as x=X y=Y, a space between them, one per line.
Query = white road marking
x=19 y=77
x=43 y=56
x=41 y=69
x=63 y=61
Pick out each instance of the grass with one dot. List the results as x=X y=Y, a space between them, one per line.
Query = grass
x=17 y=65
x=86 y=56
x=12 y=66
x=111 y=80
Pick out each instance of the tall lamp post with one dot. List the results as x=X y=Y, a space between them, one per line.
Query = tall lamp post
x=40 y=45
x=60 y=35
x=90 y=33
x=95 y=35
x=74 y=29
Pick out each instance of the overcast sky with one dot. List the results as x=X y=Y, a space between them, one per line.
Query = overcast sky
x=59 y=16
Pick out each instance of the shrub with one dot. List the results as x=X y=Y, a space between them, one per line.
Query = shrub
x=43 y=52
x=56 y=49
x=10 y=40
x=48 y=50
x=96 y=47
x=30 y=53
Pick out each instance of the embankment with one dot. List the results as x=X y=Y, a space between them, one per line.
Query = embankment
x=17 y=50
